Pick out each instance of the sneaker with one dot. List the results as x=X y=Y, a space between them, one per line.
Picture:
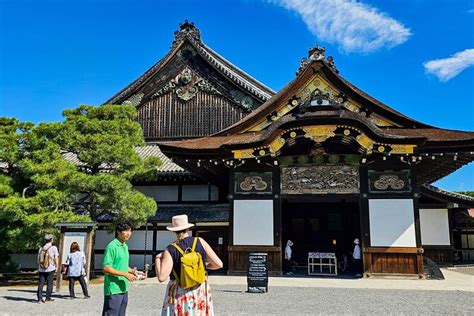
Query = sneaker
x=49 y=300
x=40 y=301
x=86 y=297
x=359 y=275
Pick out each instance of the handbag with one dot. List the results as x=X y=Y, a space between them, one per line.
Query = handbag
x=64 y=268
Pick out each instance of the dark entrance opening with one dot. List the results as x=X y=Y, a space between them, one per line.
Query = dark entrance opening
x=328 y=227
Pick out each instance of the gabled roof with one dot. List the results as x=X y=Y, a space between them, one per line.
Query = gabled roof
x=320 y=105
x=319 y=73
x=355 y=99
x=190 y=34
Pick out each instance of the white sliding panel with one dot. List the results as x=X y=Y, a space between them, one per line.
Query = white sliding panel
x=434 y=227
x=253 y=222
x=392 y=223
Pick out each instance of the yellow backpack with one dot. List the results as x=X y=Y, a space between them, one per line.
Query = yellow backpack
x=193 y=271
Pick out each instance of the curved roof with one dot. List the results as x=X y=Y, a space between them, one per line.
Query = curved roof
x=189 y=33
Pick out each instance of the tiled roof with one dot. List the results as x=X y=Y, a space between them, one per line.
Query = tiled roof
x=143 y=152
x=154 y=151
x=431 y=134
x=420 y=135
x=197 y=213
x=448 y=196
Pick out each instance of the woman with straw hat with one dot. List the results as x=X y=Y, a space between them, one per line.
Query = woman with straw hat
x=196 y=300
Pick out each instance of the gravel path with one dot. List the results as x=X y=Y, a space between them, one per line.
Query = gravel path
x=146 y=299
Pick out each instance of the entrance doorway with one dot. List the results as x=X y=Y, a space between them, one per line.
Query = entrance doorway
x=217 y=238
x=322 y=227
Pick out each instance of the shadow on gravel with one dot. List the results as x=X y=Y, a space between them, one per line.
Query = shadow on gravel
x=16 y=298
x=24 y=291
x=228 y=291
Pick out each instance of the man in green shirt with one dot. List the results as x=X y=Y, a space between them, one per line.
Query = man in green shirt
x=118 y=274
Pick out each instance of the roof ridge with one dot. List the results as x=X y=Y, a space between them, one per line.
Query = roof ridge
x=239 y=69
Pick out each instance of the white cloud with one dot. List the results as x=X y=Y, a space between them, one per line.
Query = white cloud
x=448 y=68
x=355 y=26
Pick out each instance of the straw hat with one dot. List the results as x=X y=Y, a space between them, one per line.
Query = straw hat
x=356 y=241
x=179 y=222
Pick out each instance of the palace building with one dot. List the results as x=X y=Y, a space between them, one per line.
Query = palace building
x=320 y=163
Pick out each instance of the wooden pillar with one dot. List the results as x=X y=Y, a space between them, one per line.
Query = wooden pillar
x=364 y=221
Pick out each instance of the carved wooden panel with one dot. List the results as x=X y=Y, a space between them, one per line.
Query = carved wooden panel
x=389 y=181
x=253 y=182
x=320 y=180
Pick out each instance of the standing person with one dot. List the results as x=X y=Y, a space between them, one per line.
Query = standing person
x=288 y=254
x=356 y=255
x=118 y=274
x=179 y=300
x=76 y=262
x=48 y=260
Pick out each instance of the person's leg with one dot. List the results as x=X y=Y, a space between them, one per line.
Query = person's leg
x=42 y=280
x=112 y=305
x=83 y=286
x=49 y=285
x=71 y=286
x=123 y=306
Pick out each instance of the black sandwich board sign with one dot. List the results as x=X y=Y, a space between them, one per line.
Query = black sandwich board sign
x=257 y=272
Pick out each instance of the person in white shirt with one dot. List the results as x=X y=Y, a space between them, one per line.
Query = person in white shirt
x=356 y=255
x=47 y=269
x=288 y=253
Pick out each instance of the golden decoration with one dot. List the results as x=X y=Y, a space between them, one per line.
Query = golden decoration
x=319 y=133
x=293 y=134
x=347 y=132
x=262 y=152
x=402 y=149
x=243 y=153
x=381 y=149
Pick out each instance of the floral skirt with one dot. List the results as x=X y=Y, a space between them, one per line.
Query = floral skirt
x=190 y=302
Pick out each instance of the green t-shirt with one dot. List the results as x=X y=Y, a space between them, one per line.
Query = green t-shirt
x=116 y=256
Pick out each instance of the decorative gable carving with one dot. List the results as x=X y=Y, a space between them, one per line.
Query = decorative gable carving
x=186 y=85
x=134 y=99
x=318 y=98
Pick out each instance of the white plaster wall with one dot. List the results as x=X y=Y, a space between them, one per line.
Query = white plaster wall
x=434 y=226
x=136 y=242
x=195 y=192
x=392 y=223
x=253 y=222
x=102 y=238
x=161 y=193
x=164 y=238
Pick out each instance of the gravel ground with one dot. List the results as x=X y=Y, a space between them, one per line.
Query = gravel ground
x=146 y=299
x=464 y=270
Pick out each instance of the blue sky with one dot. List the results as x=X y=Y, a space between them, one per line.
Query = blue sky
x=415 y=55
